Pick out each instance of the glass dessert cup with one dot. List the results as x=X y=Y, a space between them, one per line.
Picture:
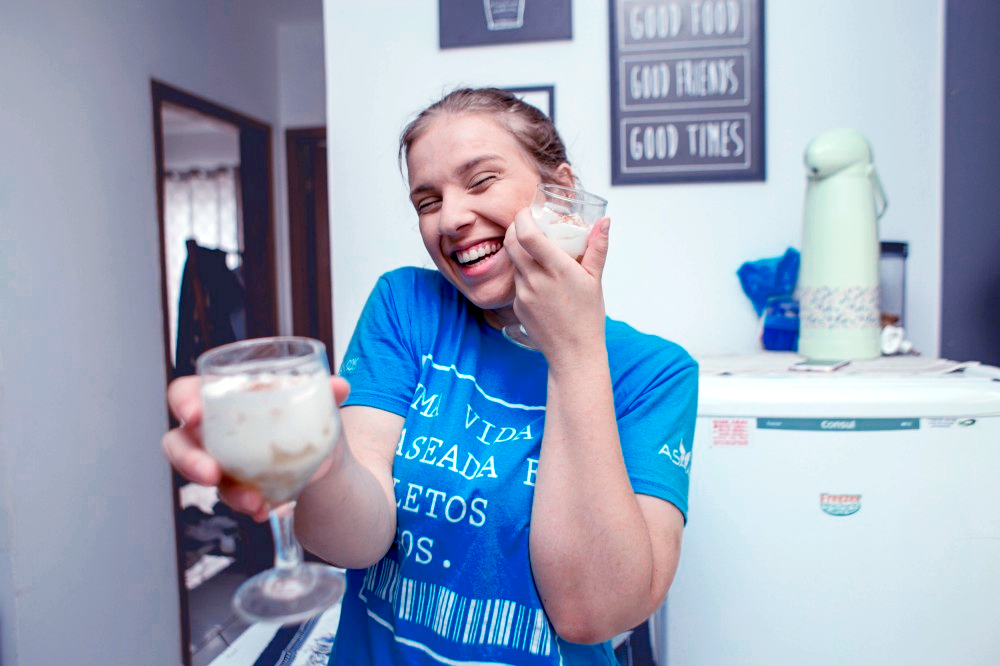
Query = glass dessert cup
x=566 y=215
x=269 y=418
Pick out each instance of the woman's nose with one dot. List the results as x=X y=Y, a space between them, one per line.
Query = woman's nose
x=455 y=214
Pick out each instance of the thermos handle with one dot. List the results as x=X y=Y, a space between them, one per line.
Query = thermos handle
x=880 y=197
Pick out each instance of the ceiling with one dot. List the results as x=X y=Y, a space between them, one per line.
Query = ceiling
x=178 y=120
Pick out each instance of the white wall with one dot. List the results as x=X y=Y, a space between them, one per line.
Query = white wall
x=872 y=64
x=87 y=556
x=303 y=74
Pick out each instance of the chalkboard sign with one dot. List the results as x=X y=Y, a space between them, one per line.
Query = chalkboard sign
x=487 y=22
x=687 y=91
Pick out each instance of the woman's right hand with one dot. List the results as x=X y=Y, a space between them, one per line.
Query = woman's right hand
x=184 y=449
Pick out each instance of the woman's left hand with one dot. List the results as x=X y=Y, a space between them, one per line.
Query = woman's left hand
x=558 y=300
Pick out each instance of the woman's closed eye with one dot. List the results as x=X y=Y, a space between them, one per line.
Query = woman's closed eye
x=426 y=205
x=482 y=181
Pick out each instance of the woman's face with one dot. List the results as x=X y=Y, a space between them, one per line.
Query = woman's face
x=468 y=177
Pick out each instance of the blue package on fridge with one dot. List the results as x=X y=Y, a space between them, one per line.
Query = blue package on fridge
x=780 y=330
x=765 y=279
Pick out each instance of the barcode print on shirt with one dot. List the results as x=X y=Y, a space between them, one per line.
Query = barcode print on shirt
x=460 y=619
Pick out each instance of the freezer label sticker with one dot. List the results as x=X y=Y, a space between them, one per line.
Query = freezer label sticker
x=839 y=505
x=839 y=424
x=950 y=423
x=731 y=432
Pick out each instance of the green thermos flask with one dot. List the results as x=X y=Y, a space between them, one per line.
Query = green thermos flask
x=838 y=283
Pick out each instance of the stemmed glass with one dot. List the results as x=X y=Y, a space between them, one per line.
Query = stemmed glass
x=566 y=215
x=269 y=419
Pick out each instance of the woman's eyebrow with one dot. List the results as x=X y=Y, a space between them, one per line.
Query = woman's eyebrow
x=475 y=162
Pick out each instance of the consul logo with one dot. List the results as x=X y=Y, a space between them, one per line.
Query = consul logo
x=839 y=505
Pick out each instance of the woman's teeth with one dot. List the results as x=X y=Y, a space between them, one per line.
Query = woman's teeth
x=473 y=254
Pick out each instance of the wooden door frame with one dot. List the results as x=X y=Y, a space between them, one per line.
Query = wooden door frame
x=309 y=235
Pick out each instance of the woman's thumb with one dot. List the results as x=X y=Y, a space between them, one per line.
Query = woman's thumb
x=597 y=247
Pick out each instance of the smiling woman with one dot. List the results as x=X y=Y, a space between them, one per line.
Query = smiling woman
x=456 y=441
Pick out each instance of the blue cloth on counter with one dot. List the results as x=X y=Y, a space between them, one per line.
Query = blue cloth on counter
x=780 y=331
x=769 y=284
x=765 y=279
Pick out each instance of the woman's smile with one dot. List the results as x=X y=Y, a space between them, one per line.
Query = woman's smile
x=477 y=253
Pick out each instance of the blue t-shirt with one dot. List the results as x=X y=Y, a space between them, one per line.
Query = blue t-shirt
x=456 y=586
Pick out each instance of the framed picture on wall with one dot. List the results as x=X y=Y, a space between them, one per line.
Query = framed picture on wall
x=485 y=22
x=687 y=91
x=542 y=98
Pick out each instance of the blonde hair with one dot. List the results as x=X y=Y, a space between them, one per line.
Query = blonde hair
x=530 y=127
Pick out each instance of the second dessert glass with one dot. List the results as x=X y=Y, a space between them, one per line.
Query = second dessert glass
x=566 y=215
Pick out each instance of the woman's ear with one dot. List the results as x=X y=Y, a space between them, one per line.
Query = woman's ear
x=564 y=175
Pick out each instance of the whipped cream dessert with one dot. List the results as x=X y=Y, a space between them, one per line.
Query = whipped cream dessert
x=568 y=230
x=270 y=431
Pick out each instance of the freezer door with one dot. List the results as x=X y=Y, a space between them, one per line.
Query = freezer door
x=810 y=543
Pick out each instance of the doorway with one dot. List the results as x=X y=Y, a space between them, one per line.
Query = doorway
x=970 y=272
x=214 y=197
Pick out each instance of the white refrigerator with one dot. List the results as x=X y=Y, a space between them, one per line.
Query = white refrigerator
x=849 y=518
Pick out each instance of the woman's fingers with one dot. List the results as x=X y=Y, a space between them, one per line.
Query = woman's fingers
x=184 y=399
x=530 y=244
x=243 y=498
x=341 y=389
x=186 y=456
x=597 y=248
x=182 y=445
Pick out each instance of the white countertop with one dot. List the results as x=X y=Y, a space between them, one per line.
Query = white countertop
x=778 y=363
